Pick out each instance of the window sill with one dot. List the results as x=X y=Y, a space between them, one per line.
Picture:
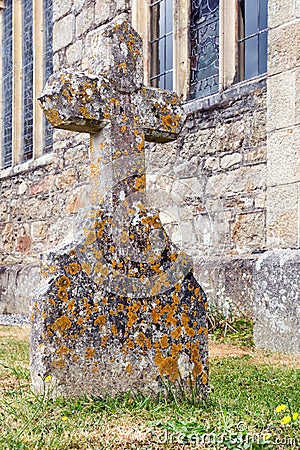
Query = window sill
x=234 y=92
x=27 y=166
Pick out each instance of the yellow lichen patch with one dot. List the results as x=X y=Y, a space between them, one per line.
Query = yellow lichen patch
x=156 y=288
x=176 y=333
x=100 y=268
x=63 y=282
x=114 y=330
x=129 y=369
x=140 y=183
x=185 y=322
x=123 y=128
x=101 y=320
x=170 y=122
x=59 y=364
x=104 y=341
x=44 y=315
x=176 y=348
x=63 y=350
x=141 y=340
x=95 y=368
x=167 y=366
x=120 y=307
x=130 y=343
x=61 y=324
x=132 y=318
x=90 y=237
x=164 y=342
x=53 y=117
x=62 y=295
x=156 y=314
x=71 y=305
x=51 y=301
x=204 y=378
x=80 y=321
x=74 y=268
x=89 y=352
x=86 y=267
x=148 y=343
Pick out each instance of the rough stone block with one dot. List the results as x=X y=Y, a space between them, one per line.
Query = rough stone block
x=85 y=20
x=228 y=284
x=248 y=232
x=284 y=48
x=277 y=301
x=230 y=160
x=280 y=100
x=297 y=97
x=61 y=8
x=284 y=156
x=16 y=284
x=74 y=53
x=280 y=12
x=283 y=216
x=63 y=32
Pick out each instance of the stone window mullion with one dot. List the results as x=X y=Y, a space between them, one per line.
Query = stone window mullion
x=17 y=114
x=38 y=62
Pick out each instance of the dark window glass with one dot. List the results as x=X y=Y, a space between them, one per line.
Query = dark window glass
x=48 y=31
x=7 y=84
x=161 y=70
x=204 y=35
x=27 y=79
x=253 y=19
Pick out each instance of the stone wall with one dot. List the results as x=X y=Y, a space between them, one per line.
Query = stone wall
x=228 y=189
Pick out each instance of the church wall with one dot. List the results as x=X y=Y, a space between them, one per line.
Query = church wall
x=229 y=186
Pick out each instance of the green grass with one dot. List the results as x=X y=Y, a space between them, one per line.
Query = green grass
x=240 y=411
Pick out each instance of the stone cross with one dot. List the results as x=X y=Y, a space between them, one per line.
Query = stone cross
x=118 y=309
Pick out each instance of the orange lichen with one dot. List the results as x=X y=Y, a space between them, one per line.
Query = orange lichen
x=74 y=268
x=120 y=307
x=63 y=350
x=176 y=348
x=141 y=339
x=114 y=330
x=101 y=320
x=176 y=333
x=86 y=267
x=164 y=342
x=61 y=324
x=44 y=315
x=63 y=282
x=89 y=352
x=59 y=364
x=167 y=366
x=130 y=343
x=170 y=122
x=129 y=368
x=71 y=305
x=185 y=322
x=63 y=295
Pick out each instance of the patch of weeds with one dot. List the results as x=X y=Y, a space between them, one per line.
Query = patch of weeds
x=233 y=330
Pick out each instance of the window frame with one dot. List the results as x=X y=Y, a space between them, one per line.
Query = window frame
x=228 y=44
x=38 y=81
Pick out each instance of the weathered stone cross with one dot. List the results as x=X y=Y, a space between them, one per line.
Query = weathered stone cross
x=119 y=309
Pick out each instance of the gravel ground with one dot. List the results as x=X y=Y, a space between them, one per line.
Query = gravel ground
x=14 y=319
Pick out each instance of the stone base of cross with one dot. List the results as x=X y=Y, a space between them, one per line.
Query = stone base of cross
x=118 y=309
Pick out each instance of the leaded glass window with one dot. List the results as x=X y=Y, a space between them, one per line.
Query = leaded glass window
x=204 y=32
x=7 y=84
x=27 y=79
x=48 y=21
x=253 y=34
x=161 y=70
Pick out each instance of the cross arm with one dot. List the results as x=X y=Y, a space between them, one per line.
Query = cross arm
x=160 y=113
x=76 y=101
